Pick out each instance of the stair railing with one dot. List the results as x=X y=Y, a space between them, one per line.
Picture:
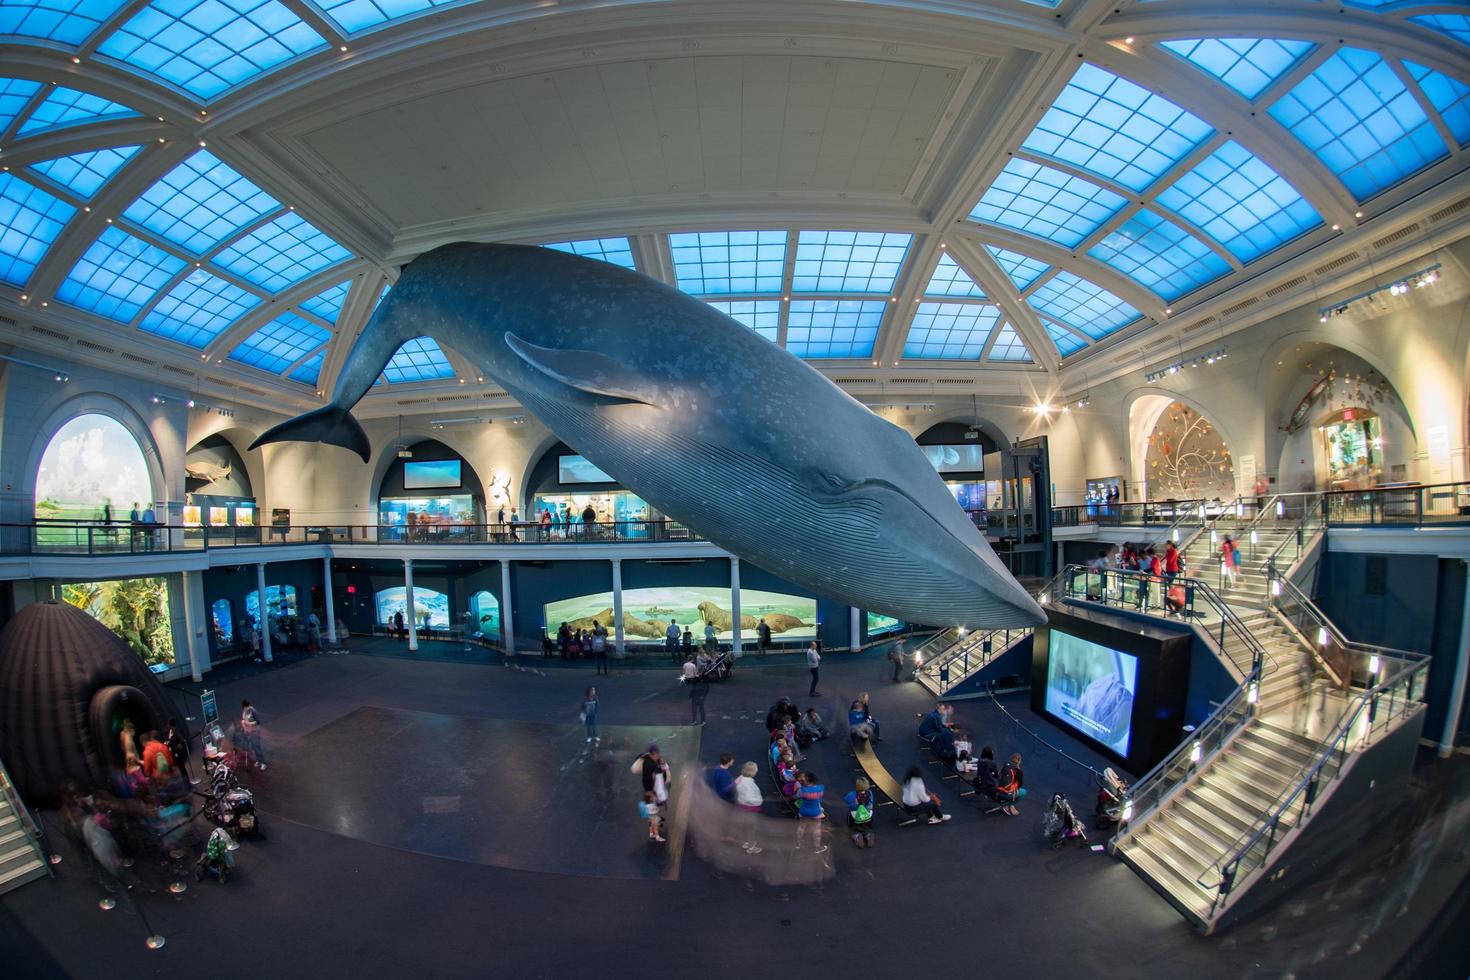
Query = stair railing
x=963 y=659
x=35 y=831
x=1344 y=660
x=1295 y=544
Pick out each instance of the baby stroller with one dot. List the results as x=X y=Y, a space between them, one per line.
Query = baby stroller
x=1059 y=824
x=218 y=858
x=230 y=805
x=1111 y=793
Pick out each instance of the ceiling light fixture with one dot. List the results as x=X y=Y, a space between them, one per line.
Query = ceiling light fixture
x=1213 y=356
x=1427 y=276
x=57 y=374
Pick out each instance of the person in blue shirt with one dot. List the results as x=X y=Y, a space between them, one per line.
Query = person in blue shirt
x=860 y=803
x=932 y=724
x=589 y=714
x=809 y=815
x=720 y=778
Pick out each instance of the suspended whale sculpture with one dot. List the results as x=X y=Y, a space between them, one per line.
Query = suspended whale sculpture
x=700 y=416
x=206 y=471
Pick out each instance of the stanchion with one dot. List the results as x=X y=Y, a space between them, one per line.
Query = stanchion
x=154 y=940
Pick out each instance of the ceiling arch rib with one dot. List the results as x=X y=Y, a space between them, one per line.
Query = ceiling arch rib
x=1057 y=257
x=998 y=285
x=1431 y=112
x=288 y=299
x=923 y=256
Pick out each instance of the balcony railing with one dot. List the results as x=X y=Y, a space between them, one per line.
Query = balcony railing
x=1440 y=503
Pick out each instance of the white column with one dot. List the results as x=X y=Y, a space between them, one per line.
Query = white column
x=854 y=625
x=1462 y=667
x=195 y=623
x=617 y=570
x=735 y=606
x=328 y=599
x=265 y=617
x=507 y=614
x=409 y=612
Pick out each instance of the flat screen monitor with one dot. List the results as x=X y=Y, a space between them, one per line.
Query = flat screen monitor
x=964 y=458
x=431 y=473
x=578 y=469
x=1090 y=688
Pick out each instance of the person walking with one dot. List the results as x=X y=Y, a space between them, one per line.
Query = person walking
x=698 y=691
x=589 y=714
x=654 y=773
x=250 y=734
x=813 y=662
x=895 y=657
x=671 y=640
x=1171 y=562
x=809 y=815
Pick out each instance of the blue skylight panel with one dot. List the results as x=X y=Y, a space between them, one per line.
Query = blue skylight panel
x=833 y=328
x=1247 y=64
x=848 y=261
x=419 y=359
x=30 y=220
x=279 y=344
x=117 y=275
x=950 y=280
x=617 y=251
x=280 y=253
x=1456 y=26
x=1066 y=341
x=950 y=331
x=1009 y=347
x=358 y=15
x=310 y=369
x=15 y=94
x=63 y=21
x=1083 y=305
x=200 y=203
x=1360 y=121
x=1023 y=270
x=209 y=46
x=69 y=107
x=1449 y=96
x=328 y=303
x=761 y=315
x=1240 y=202
x=1159 y=255
x=1047 y=203
x=84 y=173
x=1111 y=127
x=198 y=309
x=714 y=262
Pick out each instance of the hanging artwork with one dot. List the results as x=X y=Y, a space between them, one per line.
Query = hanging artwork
x=1187 y=457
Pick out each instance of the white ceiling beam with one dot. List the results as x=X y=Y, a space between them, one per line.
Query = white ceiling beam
x=893 y=332
x=975 y=258
x=361 y=300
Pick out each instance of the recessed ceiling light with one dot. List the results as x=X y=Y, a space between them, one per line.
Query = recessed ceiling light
x=76 y=61
x=1127 y=40
x=342 y=48
x=1337 y=227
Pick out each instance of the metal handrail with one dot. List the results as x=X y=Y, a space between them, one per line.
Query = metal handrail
x=1323 y=635
x=1298 y=534
x=34 y=829
x=1377 y=499
x=939 y=666
x=990 y=690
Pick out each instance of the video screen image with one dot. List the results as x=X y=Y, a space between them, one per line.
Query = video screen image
x=1090 y=687
x=961 y=458
x=431 y=473
x=579 y=469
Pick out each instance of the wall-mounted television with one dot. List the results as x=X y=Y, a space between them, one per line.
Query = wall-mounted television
x=579 y=469
x=431 y=473
x=966 y=458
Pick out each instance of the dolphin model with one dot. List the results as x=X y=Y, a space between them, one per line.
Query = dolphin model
x=700 y=416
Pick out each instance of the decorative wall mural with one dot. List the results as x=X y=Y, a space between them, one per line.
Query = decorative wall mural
x=431 y=608
x=485 y=614
x=93 y=460
x=700 y=416
x=1187 y=458
x=280 y=600
x=1367 y=388
x=878 y=623
x=646 y=612
x=136 y=609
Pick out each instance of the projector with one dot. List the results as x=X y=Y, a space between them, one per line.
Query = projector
x=405 y=454
x=972 y=434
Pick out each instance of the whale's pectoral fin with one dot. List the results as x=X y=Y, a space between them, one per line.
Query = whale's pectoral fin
x=588 y=371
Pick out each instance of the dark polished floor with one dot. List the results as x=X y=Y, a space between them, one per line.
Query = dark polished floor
x=446 y=819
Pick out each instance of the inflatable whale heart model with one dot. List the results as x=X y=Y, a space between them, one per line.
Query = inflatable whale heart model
x=706 y=420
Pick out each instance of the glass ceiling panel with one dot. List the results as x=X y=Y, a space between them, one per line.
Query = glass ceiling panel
x=69 y=107
x=833 y=328
x=1009 y=347
x=419 y=359
x=310 y=369
x=30 y=220
x=64 y=21
x=281 y=252
x=1066 y=341
x=950 y=280
x=1023 y=270
x=328 y=303
x=1360 y=120
x=761 y=315
x=950 y=331
x=1111 y=127
x=117 y=275
x=279 y=344
x=198 y=309
x=1247 y=64
x=15 y=93
x=84 y=173
x=357 y=15
x=1449 y=96
x=1159 y=255
x=1047 y=203
x=848 y=262
x=200 y=203
x=617 y=251
x=1240 y=202
x=1083 y=305
x=714 y=262
x=1456 y=26
x=209 y=46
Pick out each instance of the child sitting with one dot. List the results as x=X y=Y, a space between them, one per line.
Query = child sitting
x=786 y=775
x=648 y=809
x=965 y=765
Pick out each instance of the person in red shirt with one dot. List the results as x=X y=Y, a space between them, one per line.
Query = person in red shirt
x=158 y=761
x=1171 y=562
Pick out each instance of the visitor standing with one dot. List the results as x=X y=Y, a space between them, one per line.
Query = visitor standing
x=762 y=637
x=809 y=815
x=813 y=661
x=398 y=625
x=698 y=691
x=589 y=714
x=150 y=519
x=747 y=793
x=1171 y=562
x=313 y=632
x=654 y=773
x=599 y=645
x=895 y=657
x=709 y=636
x=178 y=746
x=250 y=734
x=721 y=778
x=671 y=641
x=648 y=809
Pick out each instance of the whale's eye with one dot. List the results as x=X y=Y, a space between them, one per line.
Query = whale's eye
x=834 y=481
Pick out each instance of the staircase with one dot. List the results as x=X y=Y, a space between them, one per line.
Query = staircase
x=21 y=856
x=971 y=651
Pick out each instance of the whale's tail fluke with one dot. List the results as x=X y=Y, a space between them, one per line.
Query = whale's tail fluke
x=333 y=425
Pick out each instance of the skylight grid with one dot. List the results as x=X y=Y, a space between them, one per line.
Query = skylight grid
x=833 y=328
x=1023 y=270
x=419 y=359
x=1240 y=202
x=1456 y=26
x=1111 y=127
x=1067 y=342
x=1086 y=306
x=15 y=94
x=358 y=15
x=280 y=253
x=207 y=47
x=1159 y=255
x=848 y=261
x=950 y=280
x=328 y=303
x=63 y=21
x=715 y=262
x=950 y=331
x=1247 y=64
x=117 y=275
x=198 y=309
x=310 y=370
x=1449 y=96
x=200 y=203
x=30 y=220
x=615 y=251
x=1046 y=203
x=69 y=107
x=761 y=315
x=1009 y=347
x=84 y=173
x=1360 y=121
x=279 y=344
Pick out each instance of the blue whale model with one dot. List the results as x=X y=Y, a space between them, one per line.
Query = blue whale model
x=706 y=420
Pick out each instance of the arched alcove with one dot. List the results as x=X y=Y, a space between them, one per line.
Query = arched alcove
x=567 y=483
x=132 y=429
x=217 y=486
x=957 y=450
x=431 y=489
x=1177 y=451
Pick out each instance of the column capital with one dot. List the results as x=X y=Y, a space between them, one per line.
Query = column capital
x=617 y=562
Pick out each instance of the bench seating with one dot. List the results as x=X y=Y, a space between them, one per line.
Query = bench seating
x=882 y=780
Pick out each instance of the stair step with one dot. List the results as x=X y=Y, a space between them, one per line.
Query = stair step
x=1205 y=835
x=1185 y=891
x=20 y=874
x=1163 y=840
x=1249 y=786
x=1227 y=802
